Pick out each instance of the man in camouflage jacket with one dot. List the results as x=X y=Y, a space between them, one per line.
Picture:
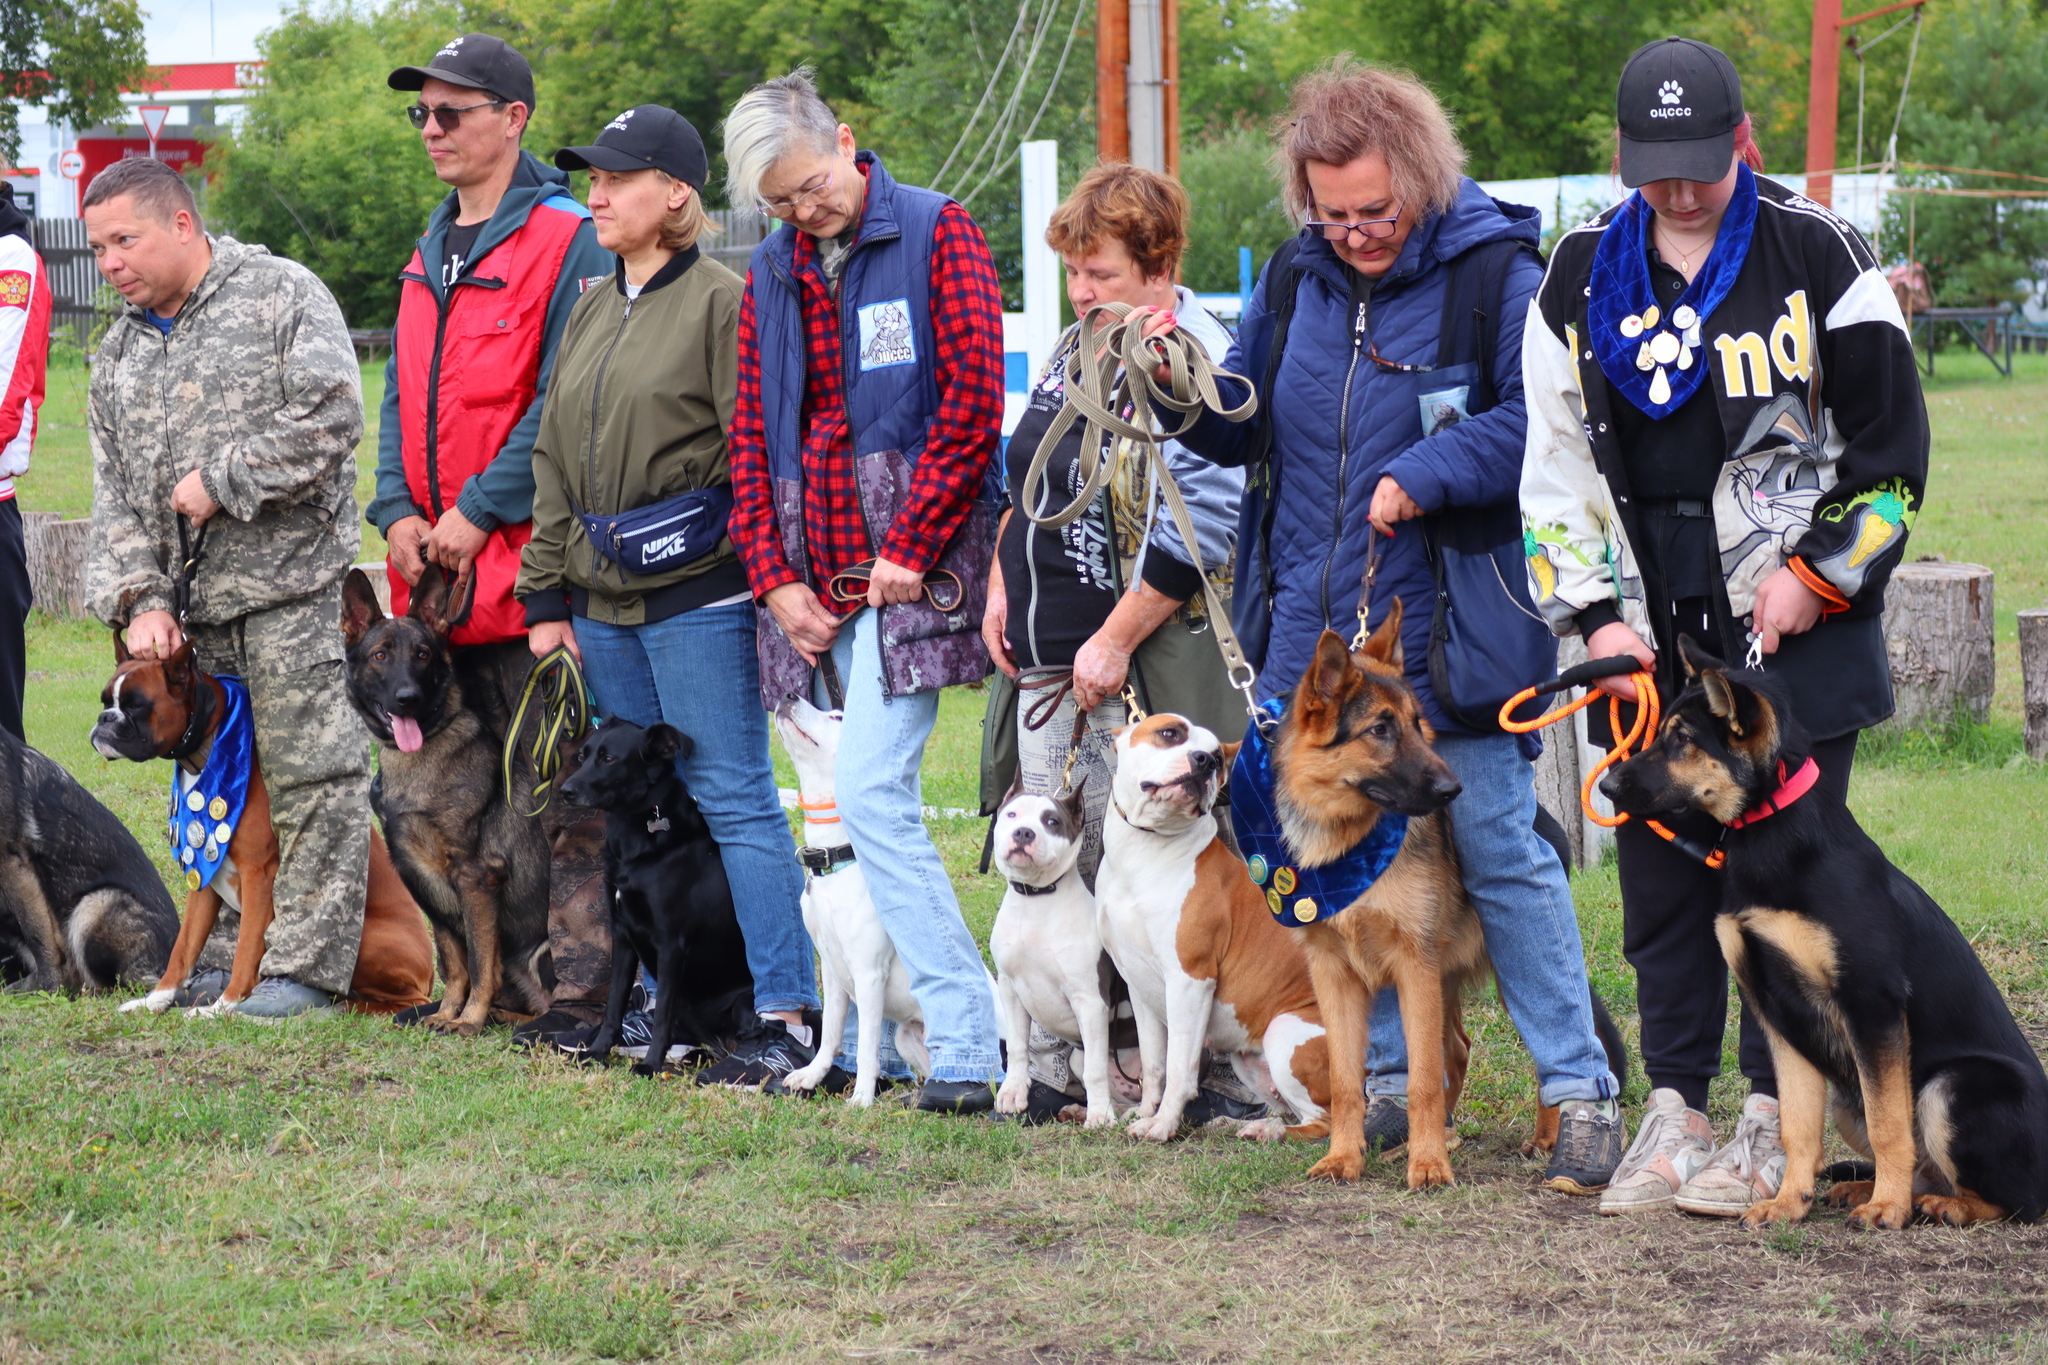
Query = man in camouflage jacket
x=227 y=393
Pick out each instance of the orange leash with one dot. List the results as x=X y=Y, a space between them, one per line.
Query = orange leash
x=1649 y=716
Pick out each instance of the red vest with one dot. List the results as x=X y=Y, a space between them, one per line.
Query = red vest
x=466 y=377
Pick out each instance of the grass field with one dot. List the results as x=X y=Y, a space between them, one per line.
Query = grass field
x=342 y=1191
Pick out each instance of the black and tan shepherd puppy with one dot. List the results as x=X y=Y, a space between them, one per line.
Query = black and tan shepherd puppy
x=670 y=903
x=477 y=867
x=81 y=905
x=1860 y=980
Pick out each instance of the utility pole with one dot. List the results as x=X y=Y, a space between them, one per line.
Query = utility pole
x=1823 y=83
x=1137 y=83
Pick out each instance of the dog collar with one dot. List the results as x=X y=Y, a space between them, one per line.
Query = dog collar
x=821 y=862
x=1026 y=889
x=195 y=728
x=1790 y=789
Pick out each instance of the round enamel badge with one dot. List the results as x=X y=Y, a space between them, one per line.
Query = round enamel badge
x=1305 y=910
x=1257 y=867
x=1283 y=880
x=219 y=809
x=1631 y=326
x=1663 y=348
x=1273 y=901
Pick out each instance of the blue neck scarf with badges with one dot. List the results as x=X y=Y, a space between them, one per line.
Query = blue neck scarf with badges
x=1298 y=895
x=205 y=809
x=1654 y=357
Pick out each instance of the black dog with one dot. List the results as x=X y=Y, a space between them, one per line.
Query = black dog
x=81 y=905
x=476 y=866
x=1860 y=981
x=671 y=906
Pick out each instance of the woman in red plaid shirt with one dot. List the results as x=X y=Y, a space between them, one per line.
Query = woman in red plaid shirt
x=862 y=451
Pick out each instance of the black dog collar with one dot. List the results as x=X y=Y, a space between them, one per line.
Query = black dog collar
x=195 y=728
x=820 y=862
x=1024 y=889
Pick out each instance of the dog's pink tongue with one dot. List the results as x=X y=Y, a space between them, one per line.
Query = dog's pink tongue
x=406 y=731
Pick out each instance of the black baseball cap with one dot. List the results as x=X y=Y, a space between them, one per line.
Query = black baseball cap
x=1679 y=104
x=645 y=135
x=478 y=61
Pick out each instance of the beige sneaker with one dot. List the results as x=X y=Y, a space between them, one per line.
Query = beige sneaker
x=1749 y=1168
x=1670 y=1148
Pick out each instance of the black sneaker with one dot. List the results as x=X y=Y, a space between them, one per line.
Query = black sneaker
x=767 y=1052
x=955 y=1097
x=1386 y=1122
x=535 y=1032
x=1590 y=1141
x=1209 y=1105
x=204 y=987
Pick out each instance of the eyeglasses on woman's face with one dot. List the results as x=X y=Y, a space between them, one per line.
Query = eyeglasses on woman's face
x=1373 y=229
x=808 y=194
x=449 y=116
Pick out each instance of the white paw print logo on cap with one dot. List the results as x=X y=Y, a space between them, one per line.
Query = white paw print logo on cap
x=1671 y=92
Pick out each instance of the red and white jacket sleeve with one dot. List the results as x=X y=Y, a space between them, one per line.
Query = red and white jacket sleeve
x=24 y=351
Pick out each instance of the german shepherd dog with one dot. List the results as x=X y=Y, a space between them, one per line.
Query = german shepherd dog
x=1859 y=979
x=81 y=905
x=671 y=906
x=477 y=867
x=1353 y=745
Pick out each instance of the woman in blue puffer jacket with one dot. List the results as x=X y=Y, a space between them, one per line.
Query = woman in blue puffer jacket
x=1375 y=417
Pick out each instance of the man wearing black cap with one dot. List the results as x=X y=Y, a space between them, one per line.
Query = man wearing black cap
x=483 y=304
x=1726 y=442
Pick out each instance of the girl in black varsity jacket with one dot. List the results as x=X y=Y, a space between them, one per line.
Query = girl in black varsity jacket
x=1727 y=441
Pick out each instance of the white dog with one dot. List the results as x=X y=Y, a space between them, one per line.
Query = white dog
x=859 y=961
x=1047 y=948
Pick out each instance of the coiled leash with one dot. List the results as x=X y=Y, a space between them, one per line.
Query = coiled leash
x=1648 y=717
x=566 y=712
x=1107 y=365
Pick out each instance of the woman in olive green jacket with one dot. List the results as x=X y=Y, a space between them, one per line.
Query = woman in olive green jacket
x=655 y=605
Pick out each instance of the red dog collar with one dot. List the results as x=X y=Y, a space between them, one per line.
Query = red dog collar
x=1789 y=790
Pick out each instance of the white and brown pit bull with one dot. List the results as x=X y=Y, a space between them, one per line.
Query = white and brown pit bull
x=1205 y=962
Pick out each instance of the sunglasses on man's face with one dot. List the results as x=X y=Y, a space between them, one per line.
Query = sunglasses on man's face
x=449 y=116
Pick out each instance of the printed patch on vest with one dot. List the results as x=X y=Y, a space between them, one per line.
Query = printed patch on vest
x=885 y=337
x=14 y=288
x=1443 y=409
x=590 y=282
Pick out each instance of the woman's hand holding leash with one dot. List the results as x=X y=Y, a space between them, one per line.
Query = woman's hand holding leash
x=1616 y=638
x=549 y=636
x=803 y=619
x=1391 y=504
x=1785 y=606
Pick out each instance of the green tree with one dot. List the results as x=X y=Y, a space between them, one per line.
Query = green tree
x=1235 y=196
x=1980 y=101
x=325 y=169
x=74 y=57
x=1235 y=65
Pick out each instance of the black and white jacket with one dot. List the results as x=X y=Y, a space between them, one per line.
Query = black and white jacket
x=1812 y=369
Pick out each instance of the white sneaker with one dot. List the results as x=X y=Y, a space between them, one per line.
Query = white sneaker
x=1749 y=1168
x=1671 y=1147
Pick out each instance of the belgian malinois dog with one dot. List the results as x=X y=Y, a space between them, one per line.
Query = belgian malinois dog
x=1861 y=983
x=477 y=867
x=1352 y=746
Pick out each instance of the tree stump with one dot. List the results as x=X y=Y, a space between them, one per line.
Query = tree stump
x=2034 y=678
x=56 y=561
x=1937 y=632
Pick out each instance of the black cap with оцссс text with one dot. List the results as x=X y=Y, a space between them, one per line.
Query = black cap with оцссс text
x=1678 y=106
x=477 y=61
x=647 y=135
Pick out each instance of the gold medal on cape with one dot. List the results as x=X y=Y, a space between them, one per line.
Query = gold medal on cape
x=1631 y=326
x=1283 y=880
x=1305 y=910
x=219 y=809
x=192 y=882
x=1650 y=316
x=1273 y=901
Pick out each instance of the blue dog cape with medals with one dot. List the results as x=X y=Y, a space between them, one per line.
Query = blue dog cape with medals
x=205 y=809
x=1298 y=895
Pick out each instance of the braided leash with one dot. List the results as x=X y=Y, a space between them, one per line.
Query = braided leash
x=565 y=710
x=1109 y=365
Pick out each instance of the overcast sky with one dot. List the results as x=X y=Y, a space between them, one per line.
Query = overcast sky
x=194 y=31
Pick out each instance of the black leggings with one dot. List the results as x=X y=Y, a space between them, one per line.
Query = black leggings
x=1668 y=903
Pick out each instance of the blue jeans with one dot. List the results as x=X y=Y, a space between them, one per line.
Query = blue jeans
x=697 y=672
x=1524 y=900
x=881 y=747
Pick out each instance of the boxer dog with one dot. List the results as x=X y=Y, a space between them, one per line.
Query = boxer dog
x=172 y=709
x=1191 y=934
x=1050 y=965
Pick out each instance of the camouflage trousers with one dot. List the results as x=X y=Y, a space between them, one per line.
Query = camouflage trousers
x=315 y=758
